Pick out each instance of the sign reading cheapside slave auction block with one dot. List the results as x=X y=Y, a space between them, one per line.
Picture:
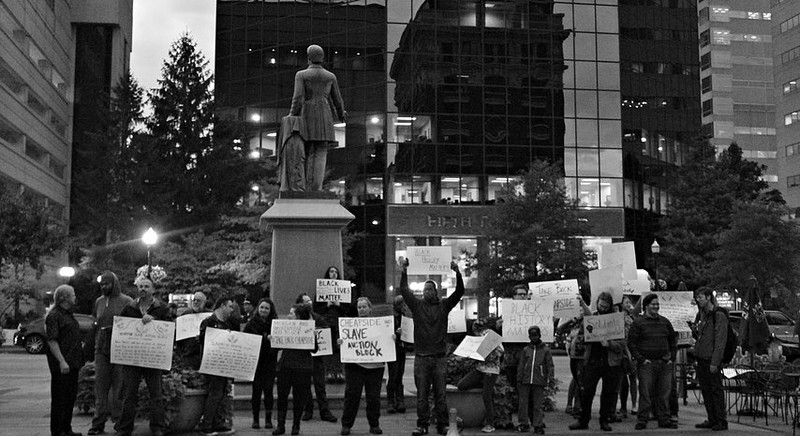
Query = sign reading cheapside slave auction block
x=297 y=334
x=367 y=340
x=518 y=315
x=335 y=291
x=188 y=326
x=230 y=354
x=564 y=294
x=429 y=260
x=148 y=345
x=606 y=327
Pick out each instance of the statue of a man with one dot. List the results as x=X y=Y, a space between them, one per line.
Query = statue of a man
x=316 y=103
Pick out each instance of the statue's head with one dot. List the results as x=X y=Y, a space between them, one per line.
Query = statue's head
x=315 y=54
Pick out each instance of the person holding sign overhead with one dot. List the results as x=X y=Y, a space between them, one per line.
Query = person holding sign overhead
x=484 y=376
x=430 y=331
x=261 y=324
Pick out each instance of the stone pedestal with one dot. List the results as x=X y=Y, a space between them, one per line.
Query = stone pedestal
x=306 y=240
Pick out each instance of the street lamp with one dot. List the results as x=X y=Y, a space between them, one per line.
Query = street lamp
x=149 y=238
x=655 y=249
x=66 y=272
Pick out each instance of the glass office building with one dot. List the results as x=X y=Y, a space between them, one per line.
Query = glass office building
x=447 y=100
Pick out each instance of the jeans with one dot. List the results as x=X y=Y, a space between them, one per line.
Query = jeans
x=263 y=383
x=476 y=379
x=394 y=386
x=358 y=378
x=152 y=378
x=629 y=385
x=429 y=371
x=576 y=369
x=713 y=395
x=593 y=372
x=63 y=391
x=319 y=387
x=299 y=382
x=531 y=402
x=107 y=390
x=212 y=416
x=655 y=385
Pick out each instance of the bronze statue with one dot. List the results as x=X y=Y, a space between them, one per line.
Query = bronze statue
x=307 y=132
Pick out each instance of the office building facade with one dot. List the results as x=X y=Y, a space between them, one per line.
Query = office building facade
x=786 y=76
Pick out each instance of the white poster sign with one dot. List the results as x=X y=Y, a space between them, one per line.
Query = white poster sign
x=606 y=280
x=678 y=308
x=336 y=291
x=599 y=328
x=478 y=347
x=146 y=345
x=619 y=253
x=367 y=340
x=429 y=260
x=518 y=315
x=230 y=354
x=407 y=329
x=457 y=321
x=324 y=342
x=188 y=326
x=640 y=286
x=564 y=294
x=297 y=334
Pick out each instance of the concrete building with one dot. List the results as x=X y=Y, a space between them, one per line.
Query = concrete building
x=786 y=73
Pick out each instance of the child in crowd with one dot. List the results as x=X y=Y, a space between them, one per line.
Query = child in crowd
x=484 y=376
x=536 y=371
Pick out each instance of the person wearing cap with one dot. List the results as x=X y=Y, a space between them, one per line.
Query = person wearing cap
x=653 y=346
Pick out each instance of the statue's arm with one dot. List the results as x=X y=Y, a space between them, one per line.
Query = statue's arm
x=298 y=96
x=338 y=102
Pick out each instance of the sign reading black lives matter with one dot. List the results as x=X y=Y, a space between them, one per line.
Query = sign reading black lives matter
x=367 y=340
x=297 y=334
x=334 y=291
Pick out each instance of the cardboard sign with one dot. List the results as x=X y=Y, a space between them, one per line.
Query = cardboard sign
x=188 y=326
x=457 y=321
x=367 y=340
x=324 y=342
x=597 y=328
x=296 y=334
x=620 y=253
x=478 y=347
x=146 y=345
x=564 y=294
x=230 y=354
x=640 y=286
x=429 y=260
x=337 y=291
x=606 y=280
x=677 y=307
x=407 y=329
x=518 y=315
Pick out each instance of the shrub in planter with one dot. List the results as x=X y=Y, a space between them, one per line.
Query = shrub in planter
x=174 y=384
x=84 y=401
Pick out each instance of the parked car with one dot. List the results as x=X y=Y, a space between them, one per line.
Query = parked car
x=781 y=326
x=31 y=335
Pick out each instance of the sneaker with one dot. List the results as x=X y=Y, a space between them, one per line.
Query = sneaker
x=419 y=431
x=604 y=426
x=720 y=426
x=641 y=425
x=255 y=425
x=326 y=415
x=578 y=426
x=222 y=431
x=488 y=428
x=375 y=430
x=704 y=424
x=208 y=432
x=391 y=410
x=523 y=428
x=345 y=431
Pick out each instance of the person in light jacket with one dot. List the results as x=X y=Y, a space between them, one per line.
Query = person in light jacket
x=535 y=371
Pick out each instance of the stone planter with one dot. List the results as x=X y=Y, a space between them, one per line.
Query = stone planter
x=189 y=412
x=468 y=404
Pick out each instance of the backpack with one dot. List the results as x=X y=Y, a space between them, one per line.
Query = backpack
x=732 y=338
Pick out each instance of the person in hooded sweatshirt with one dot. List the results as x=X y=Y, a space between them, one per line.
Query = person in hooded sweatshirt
x=535 y=371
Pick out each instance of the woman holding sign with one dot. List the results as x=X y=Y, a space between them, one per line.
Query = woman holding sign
x=360 y=377
x=261 y=324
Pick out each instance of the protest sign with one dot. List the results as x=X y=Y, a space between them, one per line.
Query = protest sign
x=336 y=291
x=148 y=345
x=429 y=260
x=367 y=340
x=188 y=326
x=619 y=253
x=606 y=280
x=606 y=327
x=564 y=294
x=457 y=321
x=478 y=347
x=518 y=315
x=678 y=308
x=407 y=329
x=296 y=334
x=228 y=353
x=324 y=342
x=640 y=286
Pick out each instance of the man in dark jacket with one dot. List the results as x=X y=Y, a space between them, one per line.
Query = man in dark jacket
x=711 y=331
x=213 y=422
x=653 y=345
x=64 y=358
x=430 y=332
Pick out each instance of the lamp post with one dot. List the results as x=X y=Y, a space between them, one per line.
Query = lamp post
x=655 y=249
x=149 y=238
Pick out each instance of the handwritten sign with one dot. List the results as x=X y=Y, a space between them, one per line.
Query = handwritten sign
x=640 y=286
x=146 y=345
x=296 y=334
x=367 y=340
x=429 y=260
x=619 y=253
x=324 y=342
x=230 y=354
x=606 y=280
x=478 y=347
x=599 y=328
x=334 y=291
x=518 y=315
x=188 y=326
x=457 y=321
x=564 y=294
x=407 y=329
x=677 y=307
